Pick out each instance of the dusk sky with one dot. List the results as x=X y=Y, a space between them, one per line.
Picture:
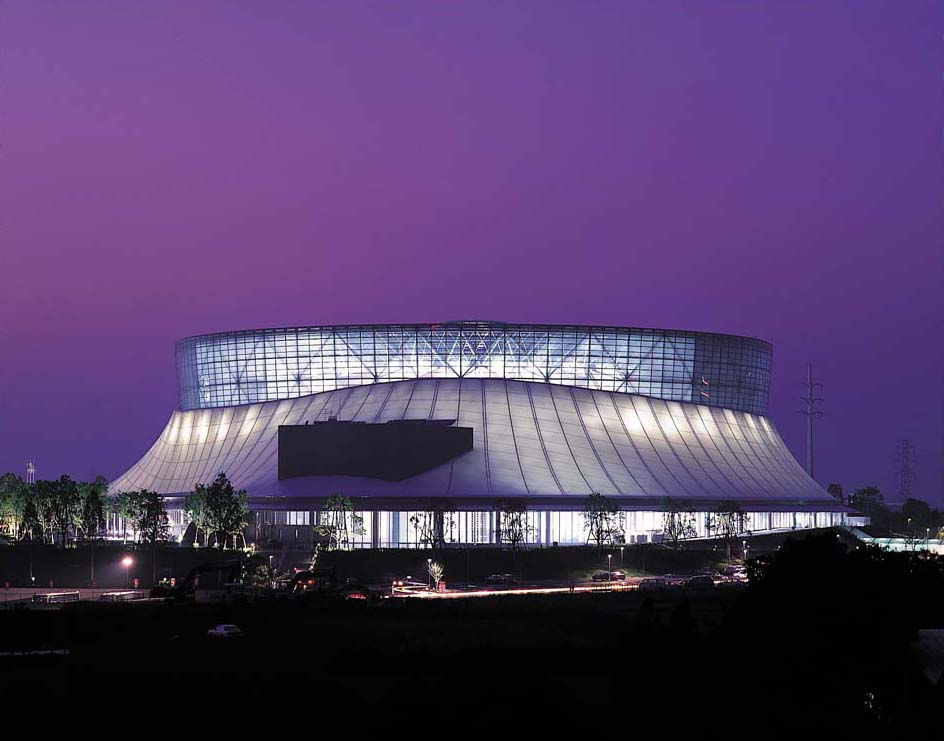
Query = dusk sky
x=761 y=168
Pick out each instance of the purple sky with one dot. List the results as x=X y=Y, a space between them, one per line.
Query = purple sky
x=760 y=168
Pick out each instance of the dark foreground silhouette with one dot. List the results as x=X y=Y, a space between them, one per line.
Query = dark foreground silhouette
x=822 y=636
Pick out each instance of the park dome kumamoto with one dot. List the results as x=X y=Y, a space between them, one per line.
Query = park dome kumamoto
x=466 y=416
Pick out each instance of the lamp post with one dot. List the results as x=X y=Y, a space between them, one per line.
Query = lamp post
x=127 y=561
x=621 y=557
x=609 y=566
x=429 y=576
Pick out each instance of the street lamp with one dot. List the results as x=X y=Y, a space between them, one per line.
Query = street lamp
x=127 y=561
x=621 y=557
x=429 y=574
x=609 y=566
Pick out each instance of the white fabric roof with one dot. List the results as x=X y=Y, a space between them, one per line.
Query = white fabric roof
x=530 y=439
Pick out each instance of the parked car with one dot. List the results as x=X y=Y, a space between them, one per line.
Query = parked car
x=609 y=576
x=500 y=579
x=653 y=584
x=734 y=573
x=225 y=631
x=702 y=581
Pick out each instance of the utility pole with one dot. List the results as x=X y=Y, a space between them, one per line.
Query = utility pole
x=810 y=400
x=904 y=467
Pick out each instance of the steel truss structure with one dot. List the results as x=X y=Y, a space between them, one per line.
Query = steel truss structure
x=233 y=368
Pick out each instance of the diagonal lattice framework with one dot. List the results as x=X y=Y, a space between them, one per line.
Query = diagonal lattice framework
x=234 y=368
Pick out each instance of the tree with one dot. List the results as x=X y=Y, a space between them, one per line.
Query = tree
x=678 y=523
x=869 y=501
x=339 y=522
x=144 y=511
x=603 y=520
x=124 y=505
x=150 y=518
x=225 y=511
x=433 y=523
x=922 y=516
x=835 y=490
x=514 y=528
x=424 y=528
x=261 y=576
x=90 y=518
x=31 y=527
x=195 y=506
x=43 y=497
x=65 y=507
x=727 y=521
x=436 y=572
x=14 y=494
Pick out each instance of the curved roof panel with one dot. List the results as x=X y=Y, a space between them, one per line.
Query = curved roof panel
x=530 y=440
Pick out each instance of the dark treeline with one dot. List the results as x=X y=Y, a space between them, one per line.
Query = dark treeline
x=838 y=624
x=915 y=519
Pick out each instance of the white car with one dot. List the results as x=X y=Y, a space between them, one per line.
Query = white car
x=225 y=631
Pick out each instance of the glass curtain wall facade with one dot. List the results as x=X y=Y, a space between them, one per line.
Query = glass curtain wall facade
x=235 y=368
x=404 y=529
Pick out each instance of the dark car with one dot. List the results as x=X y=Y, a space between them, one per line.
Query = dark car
x=702 y=581
x=609 y=576
x=500 y=579
x=653 y=584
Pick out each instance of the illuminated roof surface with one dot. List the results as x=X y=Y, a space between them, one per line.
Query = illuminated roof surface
x=530 y=440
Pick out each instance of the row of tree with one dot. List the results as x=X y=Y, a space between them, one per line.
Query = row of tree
x=64 y=511
x=52 y=511
x=604 y=522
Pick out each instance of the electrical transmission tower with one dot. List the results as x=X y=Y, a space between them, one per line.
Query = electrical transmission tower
x=810 y=400
x=904 y=468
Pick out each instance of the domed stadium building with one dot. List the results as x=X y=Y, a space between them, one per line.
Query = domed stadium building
x=473 y=418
